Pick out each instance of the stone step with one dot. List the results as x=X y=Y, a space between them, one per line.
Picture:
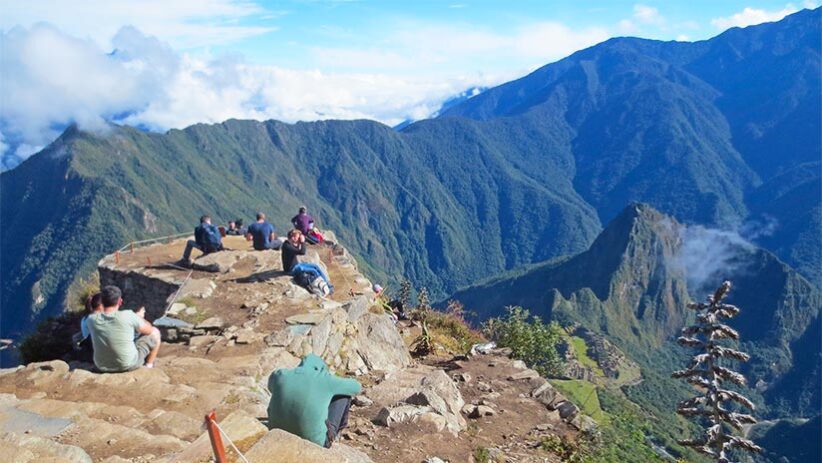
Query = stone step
x=104 y=439
x=24 y=448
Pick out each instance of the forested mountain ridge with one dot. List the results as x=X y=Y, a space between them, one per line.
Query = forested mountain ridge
x=722 y=132
x=717 y=132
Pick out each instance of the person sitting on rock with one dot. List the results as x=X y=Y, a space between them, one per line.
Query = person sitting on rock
x=113 y=332
x=233 y=229
x=82 y=342
x=262 y=233
x=292 y=248
x=302 y=221
x=207 y=239
x=310 y=402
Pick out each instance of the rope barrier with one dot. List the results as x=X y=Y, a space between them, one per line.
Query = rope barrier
x=230 y=442
x=131 y=244
x=215 y=434
x=177 y=293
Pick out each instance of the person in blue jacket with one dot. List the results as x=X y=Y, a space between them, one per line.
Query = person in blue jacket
x=309 y=401
x=207 y=239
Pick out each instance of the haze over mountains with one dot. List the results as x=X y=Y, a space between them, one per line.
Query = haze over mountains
x=723 y=132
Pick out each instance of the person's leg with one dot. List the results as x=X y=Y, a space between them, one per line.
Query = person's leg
x=191 y=244
x=155 y=337
x=148 y=346
x=337 y=417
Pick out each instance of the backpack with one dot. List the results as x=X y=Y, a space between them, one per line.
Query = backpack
x=319 y=287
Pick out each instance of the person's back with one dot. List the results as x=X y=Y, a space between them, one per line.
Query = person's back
x=261 y=234
x=300 y=398
x=112 y=336
x=302 y=221
x=208 y=236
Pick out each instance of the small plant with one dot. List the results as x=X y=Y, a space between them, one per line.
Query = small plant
x=405 y=293
x=482 y=455
x=530 y=339
x=423 y=308
x=708 y=375
x=424 y=344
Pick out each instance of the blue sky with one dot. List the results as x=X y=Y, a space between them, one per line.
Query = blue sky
x=168 y=64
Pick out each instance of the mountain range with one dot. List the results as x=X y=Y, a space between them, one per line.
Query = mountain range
x=723 y=132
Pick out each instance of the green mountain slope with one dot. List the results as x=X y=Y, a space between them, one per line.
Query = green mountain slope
x=406 y=202
x=632 y=286
x=708 y=132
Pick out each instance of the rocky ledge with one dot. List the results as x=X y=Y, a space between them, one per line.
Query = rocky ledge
x=231 y=321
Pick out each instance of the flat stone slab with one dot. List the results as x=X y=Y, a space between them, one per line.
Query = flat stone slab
x=310 y=318
x=22 y=422
x=171 y=322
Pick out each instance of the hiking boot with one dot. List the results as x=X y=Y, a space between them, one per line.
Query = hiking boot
x=185 y=263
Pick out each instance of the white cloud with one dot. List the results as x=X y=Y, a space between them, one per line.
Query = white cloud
x=420 y=46
x=182 y=23
x=751 y=16
x=145 y=83
x=647 y=15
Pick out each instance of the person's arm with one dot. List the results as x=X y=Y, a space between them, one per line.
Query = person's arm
x=140 y=326
x=301 y=249
x=343 y=386
x=146 y=328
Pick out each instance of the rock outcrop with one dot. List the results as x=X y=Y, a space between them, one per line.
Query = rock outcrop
x=228 y=324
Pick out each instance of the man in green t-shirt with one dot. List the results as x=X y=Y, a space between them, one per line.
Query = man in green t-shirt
x=113 y=334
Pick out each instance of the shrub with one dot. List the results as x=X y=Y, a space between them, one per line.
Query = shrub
x=530 y=339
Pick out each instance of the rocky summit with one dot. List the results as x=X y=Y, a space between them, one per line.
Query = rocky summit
x=228 y=323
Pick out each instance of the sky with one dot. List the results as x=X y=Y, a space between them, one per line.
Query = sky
x=159 y=64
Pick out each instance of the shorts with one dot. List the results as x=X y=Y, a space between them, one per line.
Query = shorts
x=145 y=344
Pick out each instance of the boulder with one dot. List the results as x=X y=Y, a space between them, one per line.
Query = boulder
x=278 y=446
x=380 y=344
x=389 y=416
x=481 y=410
x=218 y=262
x=567 y=410
x=524 y=374
x=211 y=324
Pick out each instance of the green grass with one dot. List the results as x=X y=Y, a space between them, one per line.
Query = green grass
x=584 y=395
x=581 y=351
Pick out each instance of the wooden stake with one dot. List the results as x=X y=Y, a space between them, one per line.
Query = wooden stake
x=117 y=257
x=216 y=439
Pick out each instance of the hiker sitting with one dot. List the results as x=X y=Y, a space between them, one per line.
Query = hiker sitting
x=262 y=233
x=82 y=340
x=302 y=221
x=113 y=336
x=310 y=402
x=207 y=238
x=233 y=229
x=292 y=248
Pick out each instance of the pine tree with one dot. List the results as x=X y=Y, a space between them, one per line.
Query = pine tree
x=707 y=373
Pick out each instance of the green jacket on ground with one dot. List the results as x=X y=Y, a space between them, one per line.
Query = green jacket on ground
x=300 y=398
